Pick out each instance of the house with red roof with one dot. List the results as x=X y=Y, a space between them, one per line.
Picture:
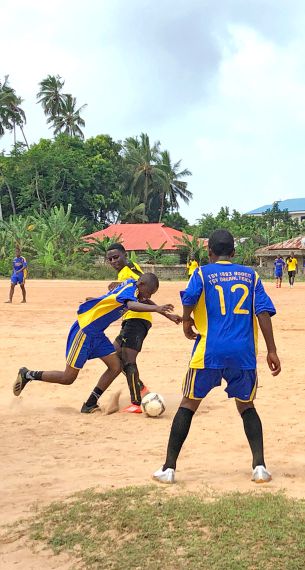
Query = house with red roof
x=137 y=237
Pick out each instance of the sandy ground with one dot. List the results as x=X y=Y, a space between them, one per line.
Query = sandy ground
x=50 y=450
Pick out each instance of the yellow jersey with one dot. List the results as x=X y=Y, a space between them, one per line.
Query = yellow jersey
x=133 y=271
x=192 y=265
x=292 y=264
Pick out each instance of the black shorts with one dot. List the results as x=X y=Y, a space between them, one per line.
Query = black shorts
x=133 y=333
x=291 y=273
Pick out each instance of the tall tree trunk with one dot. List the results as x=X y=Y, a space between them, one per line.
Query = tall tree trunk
x=14 y=130
x=24 y=137
x=1 y=213
x=9 y=192
x=161 y=206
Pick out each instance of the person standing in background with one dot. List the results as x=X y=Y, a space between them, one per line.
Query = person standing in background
x=18 y=276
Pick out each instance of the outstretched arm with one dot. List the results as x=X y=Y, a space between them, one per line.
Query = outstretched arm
x=273 y=360
x=170 y=316
x=139 y=307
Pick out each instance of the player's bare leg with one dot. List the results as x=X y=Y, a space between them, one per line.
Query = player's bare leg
x=178 y=434
x=254 y=432
x=11 y=293
x=114 y=368
x=23 y=291
x=65 y=377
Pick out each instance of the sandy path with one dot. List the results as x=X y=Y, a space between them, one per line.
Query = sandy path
x=50 y=450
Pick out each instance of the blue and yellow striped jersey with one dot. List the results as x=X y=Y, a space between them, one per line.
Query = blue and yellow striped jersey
x=226 y=299
x=133 y=271
x=96 y=315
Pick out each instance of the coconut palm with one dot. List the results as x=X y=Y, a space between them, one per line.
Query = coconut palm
x=175 y=188
x=68 y=119
x=143 y=161
x=11 y=113
x=131 y=211
x=50 y=96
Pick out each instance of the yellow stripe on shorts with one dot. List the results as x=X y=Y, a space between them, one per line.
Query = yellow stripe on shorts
x=76 y=347
x=188 y=383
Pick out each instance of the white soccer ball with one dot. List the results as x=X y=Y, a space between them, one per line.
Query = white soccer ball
x=153 y=405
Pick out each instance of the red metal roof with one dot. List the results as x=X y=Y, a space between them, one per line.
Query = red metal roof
x=296 y=243
x=136 y=237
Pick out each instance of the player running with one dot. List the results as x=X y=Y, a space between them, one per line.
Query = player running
x=87 y=339
x=279 y=266
x=225 y=299
x=134 y=329
x=18 y=276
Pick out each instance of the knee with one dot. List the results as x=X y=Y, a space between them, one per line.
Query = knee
x=243 y=406
x=70 y=377
x=130 y=368
x=116 y=368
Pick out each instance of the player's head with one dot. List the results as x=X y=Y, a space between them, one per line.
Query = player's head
x=292 y=254
x=148 y=284
x=116 y=255
x=17 y=251
x=192 y=257
x=221 y=244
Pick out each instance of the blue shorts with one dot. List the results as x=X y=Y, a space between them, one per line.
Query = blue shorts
x=17 y=278
x=241 y=384
x=278 y=274
x=82 y=347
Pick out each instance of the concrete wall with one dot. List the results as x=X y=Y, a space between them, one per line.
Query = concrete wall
x=166 y=272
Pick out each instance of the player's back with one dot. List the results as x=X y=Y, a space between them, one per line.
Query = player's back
x=224 y=315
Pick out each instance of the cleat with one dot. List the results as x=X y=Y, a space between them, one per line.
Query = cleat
x=89 y=409
x=21 y=381
x=167 y=476
x=144 y=391
x=132 y=409
x=261 y=475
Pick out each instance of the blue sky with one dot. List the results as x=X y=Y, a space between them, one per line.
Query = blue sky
x=221 y=83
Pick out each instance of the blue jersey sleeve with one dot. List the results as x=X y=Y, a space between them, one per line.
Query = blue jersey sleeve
x=262 y=301
x=192 y=293
x=126 y=293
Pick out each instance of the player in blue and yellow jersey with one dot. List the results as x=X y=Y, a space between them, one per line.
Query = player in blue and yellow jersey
x=134 y=328
x=87 y=339
x=279 y=266
x=226 y=300
x=18 y=276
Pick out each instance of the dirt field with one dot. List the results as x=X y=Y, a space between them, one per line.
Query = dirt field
x=50 y=450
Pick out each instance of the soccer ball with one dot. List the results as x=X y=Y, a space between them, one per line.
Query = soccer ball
x=153 y=405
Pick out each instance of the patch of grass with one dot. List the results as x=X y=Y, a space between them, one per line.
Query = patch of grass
x=149 y=528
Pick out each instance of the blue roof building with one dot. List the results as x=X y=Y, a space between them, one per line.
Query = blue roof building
x=295 y=207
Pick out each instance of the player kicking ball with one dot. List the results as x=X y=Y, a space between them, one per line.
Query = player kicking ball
x=87 y=339
x=226 y=300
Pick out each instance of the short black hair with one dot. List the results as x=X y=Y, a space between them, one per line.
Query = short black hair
x=221 y=242
x=151 y=279
x=118 y=246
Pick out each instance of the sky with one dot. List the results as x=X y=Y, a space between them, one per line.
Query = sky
x=221 y=83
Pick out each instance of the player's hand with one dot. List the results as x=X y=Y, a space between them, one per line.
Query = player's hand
x=165 y=308
x=175 y=318
x=274 y=363
x=188 y=329
x=112 y=286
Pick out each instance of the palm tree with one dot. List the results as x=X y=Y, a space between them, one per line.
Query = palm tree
x=11 y=114
x=132 y=212
x=68 y=119
x=143 y=161
x=175 y=188
x=50 y=96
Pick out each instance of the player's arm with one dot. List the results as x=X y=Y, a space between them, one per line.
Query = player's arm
x=188 y=323
x=273 y=360
x=170 y=316
x=113 y=285
x=140 y=307
x=296 y=266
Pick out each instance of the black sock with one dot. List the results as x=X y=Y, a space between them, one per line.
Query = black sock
x=94 y=396
x=132 y=375
x=254 y=432
x=180 y=428
x=33 y=375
